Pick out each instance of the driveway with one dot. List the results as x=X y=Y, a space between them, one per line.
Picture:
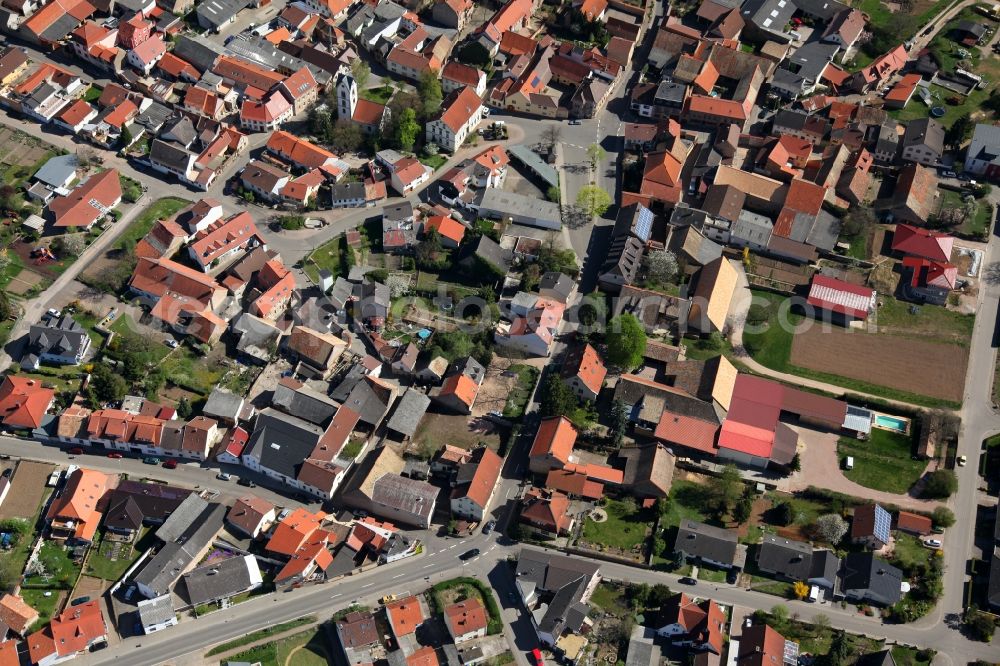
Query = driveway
x=821 y=468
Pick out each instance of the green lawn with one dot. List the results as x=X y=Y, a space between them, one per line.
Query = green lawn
x=332 y=256
x=45 y=605
x=815 y=640
x=57 y=563
x=932 y=322
x=517 y=399
x=883 y=462
x=770 y=586
x=687 y=501
x=352 y=448
x=859 y=246
x=625 y=527
x=93 y=94
x=610 y=599
x=434 y=161
x=772 y=346
x=101 y=565
x=711 y=575
x=907 y=656
x=127 y=330
x=880 y=15
x=305 y=649
x=10 y=271
x=909 y=554
x=187 y=368
x=379 y=95
x=140 y=226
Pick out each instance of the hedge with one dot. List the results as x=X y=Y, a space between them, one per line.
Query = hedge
x=495 y=624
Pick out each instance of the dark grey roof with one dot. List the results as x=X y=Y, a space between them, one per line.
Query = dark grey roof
x=566 y=611
x=821 y=9
x=469 y=367
x=551 y=571
x=792 y=559
x=179 y=129
x=373 y=300
x=670 y=92
x=347 y=191
x=557 y=283
x=181 y=517
x=880 y=658
x=223 y=404
x=369 y=400
x=176 y=556
x=872 y=578
x=410 y=409
x=198 y=51
x=398 y=212
x=489 y=251
x=60 y=336
x=304 y=403
x=169 y=154
x=154 y=116
x=408 y=495
x=133 y=502
x=59 y=28
x=769 y=15
x=971 y=27
x=281 y=442
x=642 y=653
x=633 y=392
x=825 y=565
x=213 y=14
x=924 y=132
x=221 y=580
x=696 y=539
x=258 y=50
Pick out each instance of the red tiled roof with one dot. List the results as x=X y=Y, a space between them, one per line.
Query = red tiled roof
x=514 y=44
x=687 y=431
x=927 y=272
x=574 y=483
x=76 y=113
x=405 y=615
x=587 y=365
x=69 y=632
x=78 y=209
x=368 y=112
x=445 y=226
x=903 y=89
x=459 y=108
x=913 y=522
x=840 y=297
x=556 y=436
x=922 y=242
x=464 y=74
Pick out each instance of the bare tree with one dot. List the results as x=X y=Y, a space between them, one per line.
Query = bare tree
x=551 y=135
x=991 y=273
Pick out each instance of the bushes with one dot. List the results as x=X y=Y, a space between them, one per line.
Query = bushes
x=940 y=484
x=495 y=624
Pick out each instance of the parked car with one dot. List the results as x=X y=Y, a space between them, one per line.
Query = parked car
x=388 y=599
x=949 y=174
x=76 y=451
x=962 y=460
x=536 y=656
x=170 y=464
x=171 y=343
x=249 y=483
x=223 y=476
x=488 y=527
x=79 y=600
x=688 y=580
x=115 y=456
x=151 y=460
x=469 y=554
x=574 y=122
x=933 y=543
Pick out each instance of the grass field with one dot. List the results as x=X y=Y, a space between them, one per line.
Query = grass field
x=126 y=330
x=379 y=95
x=908 y=553
x=883 y=462
x=880 y=15
x=45 y=605
x=434 y=161
x=159 y=209
x=935 y=323
x=330 y=256
x=625 y=527
x=304 y=649
x=687 y=501
x=260 y=635
x=610 y=599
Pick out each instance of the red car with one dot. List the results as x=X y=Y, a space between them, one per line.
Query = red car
x=536 y=654
x=76 y=451
x=170 y=464
x=115 y=455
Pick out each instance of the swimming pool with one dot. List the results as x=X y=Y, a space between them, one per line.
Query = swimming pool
x=891 y=422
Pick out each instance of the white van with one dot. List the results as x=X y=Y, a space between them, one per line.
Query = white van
x=813 y=594
x=849 y=462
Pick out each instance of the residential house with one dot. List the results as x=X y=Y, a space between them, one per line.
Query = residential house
x=456 y=76
x=16 y=615
x=475 y=484
x=156 y=614
x=320 y=350
x=707 y=544
x=698 y=625
x=466 y=620
x=461 y=112
x=584 y=372
x=925 y=243
x=927 y=281
x=224 y=241
x=533 y=327
x=219 y=581
x=75 y=630
x=923 y=142
x=452 y=13
x=547 y=511
x=913 y=523
x=87 y=203
x=648 y=470
x=761 y=645
x=251 y=515
x=871 y=580
x=73 y=515
x=870 y=526
x=55 y=341
x=785 y=559
x=715 y=286
x=632 y=230
x=913 y=199
x=982 y=157
x=559 y=588
x=378 y=488
x=135 y=504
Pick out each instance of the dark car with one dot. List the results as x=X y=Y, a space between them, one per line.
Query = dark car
x=246 y=482
x=488 y=527
x=731 y=577
x=687 y=580
x=79 y=600
x=170 y=464
x=76 y=451
x=469 y=554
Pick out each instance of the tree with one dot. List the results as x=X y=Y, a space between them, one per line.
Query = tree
x=10 y=573
x=71 y=245
x=106 y=385
x=557 y=398
x=476 y=54
x=830 y=528
x=429 y=251
x=407 y=129
x=184 y=408
x=943 y=517
x=858 y=220
x=659 y=596
x=6 y=306
x=840 y=650
x=728 y=488
x=429 y=88
x=661 y=266
x=980 y=625
x=960 y=130
x=551 y=135
x=779 y=613
x=530 y=277
x=638 y=595
x=800 y=589
x=431 y=149
x=399 y=285
x=552 y=259
x=784 y=514
x=743 y=510
x=553 y=194
x=940 y=484
x=345 y=136
x=361 y=72
x=292 y=222
x=593 y=201
x=626 y=340
x=125 y=137
x=595 y=153
x=321 y=122
x=822 y=622
x=619 y=421
x=796 y=463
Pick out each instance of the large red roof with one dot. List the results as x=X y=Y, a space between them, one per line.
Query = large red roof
x=922 y=242
x=840 y=297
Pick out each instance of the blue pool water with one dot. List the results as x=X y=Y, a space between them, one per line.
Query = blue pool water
x=890 y=422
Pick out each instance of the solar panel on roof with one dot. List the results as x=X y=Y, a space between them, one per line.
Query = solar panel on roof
x=644 y=223
x=883 y=522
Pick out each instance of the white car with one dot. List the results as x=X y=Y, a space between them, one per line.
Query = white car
x=962 y=460
x=933 y=543
x=52 y=312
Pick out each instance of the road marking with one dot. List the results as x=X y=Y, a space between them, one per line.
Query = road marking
x=398 y=576
x=368 y=585
x=428 y=566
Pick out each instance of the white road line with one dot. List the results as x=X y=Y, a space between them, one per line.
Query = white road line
x=398 y=576
x=428 y=566
x=368 y=585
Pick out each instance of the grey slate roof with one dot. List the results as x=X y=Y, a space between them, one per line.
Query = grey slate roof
x=223 y=404
x=169 y=154
x=213 y=14
x=176 y=556
x=924 y=132
x=792 y=559
x=825 y=566
x=180 y=518
x=305 y=403
x=61 y=337
x=281 y=442
x=155 y=611
x=220 y=580
x=410 y=495
x=696 y=539
x=993 y=588
x=558 y=284
x=551 y=571
x=198 y=51
x=872 y=578
x=490 y=251
x=410 y=409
